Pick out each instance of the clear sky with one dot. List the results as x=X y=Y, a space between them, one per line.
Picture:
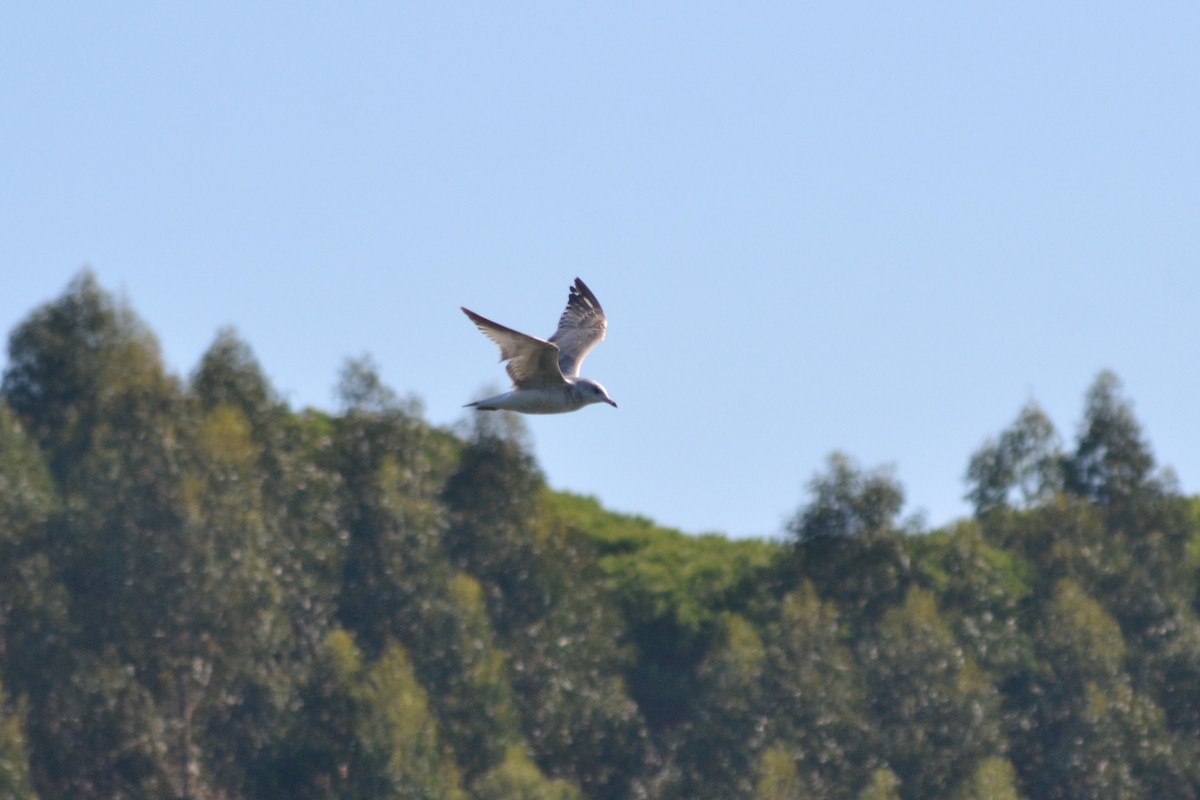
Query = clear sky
x=875 y=228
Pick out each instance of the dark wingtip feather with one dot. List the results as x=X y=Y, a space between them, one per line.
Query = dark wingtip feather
x=581 y=293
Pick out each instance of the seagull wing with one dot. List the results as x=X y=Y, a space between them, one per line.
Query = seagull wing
x=532 y=362
x=580 y=328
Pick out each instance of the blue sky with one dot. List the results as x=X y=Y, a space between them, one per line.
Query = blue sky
x=874 y=228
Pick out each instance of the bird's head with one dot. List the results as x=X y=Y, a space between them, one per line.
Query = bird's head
x=593 y=392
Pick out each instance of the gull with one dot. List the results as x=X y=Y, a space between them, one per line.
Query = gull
x=545 y=372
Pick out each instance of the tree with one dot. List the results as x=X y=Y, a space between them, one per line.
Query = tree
x=282 y=468
x=994 y=779
x=883 y=785
x=33 y=605
x=101 y=734
x=934 y=713
x=848 y=543
x=311 y=759
x=15 y=779
x=848 y=503
x=399 y=737
x=518 y=778
x=87 y=381
x=166 y=561
x=492 y=501
x=34 y=617
x=568 y=672
x=1024 y=461
x=777 y=777
x=230 y=375
x=1084 y=730
x=1112 y=463
x=363 y=730
x=1079 y=639
x=726 y=733
x=63 y=361
x=389 y=473
x=475 y=699
x=1178 y=666
x=981 y=591
x=815 y=692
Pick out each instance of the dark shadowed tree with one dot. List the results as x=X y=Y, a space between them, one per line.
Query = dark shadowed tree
x=1112 y=463
x=847 y=540
x=492 y=500
x=848 y=503
x=63 y=361
x=230 y=375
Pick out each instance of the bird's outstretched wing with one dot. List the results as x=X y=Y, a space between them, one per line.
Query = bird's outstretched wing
x=532 y=362
x=580 y=328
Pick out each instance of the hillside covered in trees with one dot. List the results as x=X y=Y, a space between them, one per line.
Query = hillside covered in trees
x=207 y=594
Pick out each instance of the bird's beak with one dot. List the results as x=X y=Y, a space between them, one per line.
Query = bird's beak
x=610 y=401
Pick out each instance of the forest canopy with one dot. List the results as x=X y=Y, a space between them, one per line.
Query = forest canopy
x=205 y=593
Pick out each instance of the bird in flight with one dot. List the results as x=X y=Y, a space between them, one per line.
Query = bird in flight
x=545 y=372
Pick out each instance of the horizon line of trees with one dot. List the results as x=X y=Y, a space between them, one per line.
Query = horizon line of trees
x=205 y=594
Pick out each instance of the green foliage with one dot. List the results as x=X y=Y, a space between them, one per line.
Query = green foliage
x=206 y=594
x=673 y=591
x=399 y=737
x=492 y=499
x=1177 y=669
x=518 y=778
x=777 y=777
x=365 y=730
x=476 y=700
x=1112 y=463
x=65 y=362
x=994 y=779
x=934 y=713
x=1079 y=639
x=15 y=781
x=1090 y=732
x=569 y=657
x=883 y=785
x=981 y=590
x=27 y=496
x=847 y=541
x=848 y=503
x=726 y=732
x=818 y=703
x=1025 y=461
